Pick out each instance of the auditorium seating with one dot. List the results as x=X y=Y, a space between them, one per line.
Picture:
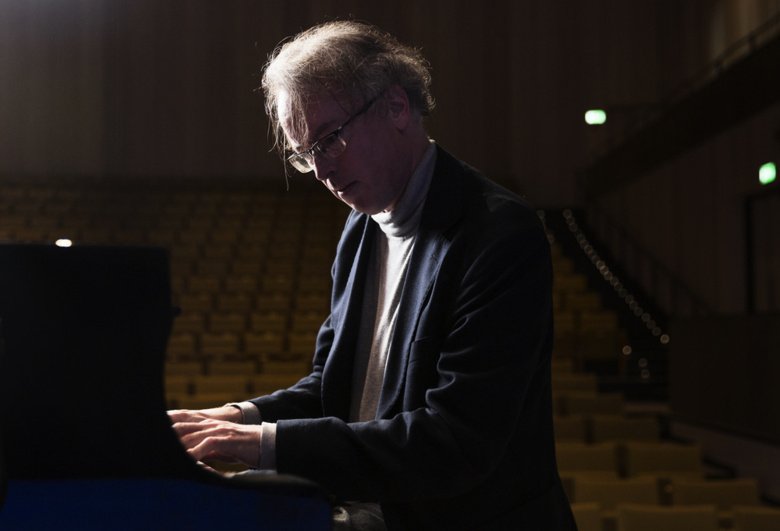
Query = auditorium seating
x=618 y=467
x=724 y=494
x=586 y=331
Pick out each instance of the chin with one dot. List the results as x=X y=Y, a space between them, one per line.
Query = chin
x=360 y=206
x=364 y=210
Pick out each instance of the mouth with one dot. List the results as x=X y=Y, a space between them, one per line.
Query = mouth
x=344 y=189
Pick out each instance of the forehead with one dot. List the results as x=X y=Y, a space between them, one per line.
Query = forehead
x=317 y=117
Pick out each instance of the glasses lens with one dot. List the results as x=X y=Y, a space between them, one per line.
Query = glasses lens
x=301 y=162
x=331 y=146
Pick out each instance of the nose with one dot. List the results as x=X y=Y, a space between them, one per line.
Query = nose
x=323 y=168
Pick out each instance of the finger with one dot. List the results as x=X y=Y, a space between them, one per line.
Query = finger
x=193 y=433
x=212 y=447
x=183 y=429
x=225 y=441
x=180 y=415
x=186 y=415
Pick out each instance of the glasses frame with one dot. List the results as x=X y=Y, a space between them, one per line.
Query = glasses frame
x=304 y=161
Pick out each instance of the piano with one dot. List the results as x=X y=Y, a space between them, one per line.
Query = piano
x=85 y=441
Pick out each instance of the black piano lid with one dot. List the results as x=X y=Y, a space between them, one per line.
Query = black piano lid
x=83 y=334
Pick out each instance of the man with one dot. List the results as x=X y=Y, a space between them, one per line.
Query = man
x=430 y=389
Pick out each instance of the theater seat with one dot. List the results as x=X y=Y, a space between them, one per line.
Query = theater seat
x=753 y=518
x=238 y=368
x=587 y=516
x=619 y=428
x=640 y=517
x=663 y=459
x=570 y=429
x=723 y=493
x=582 y=382
x=231 y=384
x=585 y=403
x=610 y=493
x=581 y=458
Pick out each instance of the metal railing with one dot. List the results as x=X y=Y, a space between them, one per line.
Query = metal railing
x=669 y=291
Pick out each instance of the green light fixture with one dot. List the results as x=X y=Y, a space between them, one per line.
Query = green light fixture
x=767 y=173
x=595 y=116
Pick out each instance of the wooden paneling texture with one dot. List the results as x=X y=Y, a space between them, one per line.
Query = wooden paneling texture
x=148 y=87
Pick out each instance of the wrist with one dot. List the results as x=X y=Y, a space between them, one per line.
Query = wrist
x=244 y=412
x=233 y=413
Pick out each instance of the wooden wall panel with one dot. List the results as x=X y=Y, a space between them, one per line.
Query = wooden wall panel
x=149 y=87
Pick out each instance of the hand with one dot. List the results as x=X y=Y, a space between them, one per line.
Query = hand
x=208 y=438
x=229 y=413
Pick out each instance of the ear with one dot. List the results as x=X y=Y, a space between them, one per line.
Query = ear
x=398 y=109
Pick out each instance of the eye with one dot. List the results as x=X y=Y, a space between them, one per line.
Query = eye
x=327 y=143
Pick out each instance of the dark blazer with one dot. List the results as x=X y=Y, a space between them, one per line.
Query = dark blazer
x=463 y=436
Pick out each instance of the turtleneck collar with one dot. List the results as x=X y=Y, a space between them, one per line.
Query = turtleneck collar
x=404 y=219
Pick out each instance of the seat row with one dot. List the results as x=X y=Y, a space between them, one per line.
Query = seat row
x=590 y=516
x=303 y=297
x=608 y=493
x=228 y=345
x=568 y=403
x=196 y=392
x=628 y=459
x=606 y=428
x=307 y=316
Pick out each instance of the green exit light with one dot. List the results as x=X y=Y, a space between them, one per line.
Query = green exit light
x=767 y=173
x=595 y=117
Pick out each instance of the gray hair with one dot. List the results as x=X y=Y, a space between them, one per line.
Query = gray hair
x=351 y=61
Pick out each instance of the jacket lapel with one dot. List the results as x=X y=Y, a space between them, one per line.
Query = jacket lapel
x=443 y=207
x=345 y=319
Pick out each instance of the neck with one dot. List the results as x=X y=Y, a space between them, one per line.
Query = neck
x=417 y=147
x=404 y=218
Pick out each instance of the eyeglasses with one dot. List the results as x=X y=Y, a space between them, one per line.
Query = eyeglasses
x=331 y=145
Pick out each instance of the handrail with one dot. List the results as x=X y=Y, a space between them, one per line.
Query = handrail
x=671 y=293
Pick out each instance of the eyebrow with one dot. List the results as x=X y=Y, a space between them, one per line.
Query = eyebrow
x=319 y=133
x=323 y=131
x=325 y=128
